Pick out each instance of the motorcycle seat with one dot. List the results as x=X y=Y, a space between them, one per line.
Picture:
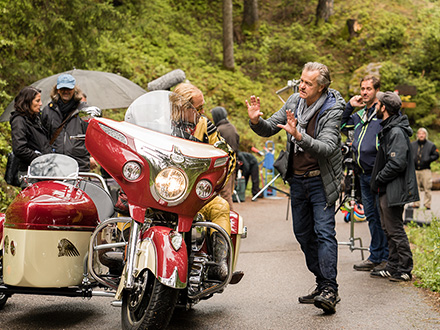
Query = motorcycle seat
x=101 y=199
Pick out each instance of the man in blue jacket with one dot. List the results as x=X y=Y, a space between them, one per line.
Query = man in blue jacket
x=312 y=120
x=366 y=128
x=394 y=179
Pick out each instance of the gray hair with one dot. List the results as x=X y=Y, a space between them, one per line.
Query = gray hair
x=324 y=73
x=423 y=130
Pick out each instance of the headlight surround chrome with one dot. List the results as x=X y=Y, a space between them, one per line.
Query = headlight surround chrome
x=131 y=170
x=204 y=189
x=171 y=184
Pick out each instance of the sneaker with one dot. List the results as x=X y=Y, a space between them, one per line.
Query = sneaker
x=310 y=298
x=381 y=274
x=381 y=266
x=401 y=277
x=327 y=300
x=365 y=265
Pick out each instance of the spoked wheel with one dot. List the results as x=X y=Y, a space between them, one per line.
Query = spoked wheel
x=150 y=305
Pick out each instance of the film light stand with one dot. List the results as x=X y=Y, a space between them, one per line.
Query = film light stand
x=351 y=198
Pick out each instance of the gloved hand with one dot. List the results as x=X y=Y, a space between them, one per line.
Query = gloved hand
x=374 y=186
x=92 y=111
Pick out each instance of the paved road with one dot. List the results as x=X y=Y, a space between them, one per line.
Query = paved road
x=275 y=275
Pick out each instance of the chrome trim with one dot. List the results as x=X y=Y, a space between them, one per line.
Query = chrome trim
x=131 y=255
x=113 y=133
x=216 y=287
x=173 y=281
x=92 y=248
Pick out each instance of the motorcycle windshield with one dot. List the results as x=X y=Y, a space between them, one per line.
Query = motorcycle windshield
x=165 y=112
x=53 y=166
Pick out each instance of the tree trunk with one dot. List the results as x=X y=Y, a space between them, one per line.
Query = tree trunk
x=324 y=10
x=228 y=37
x=250 y=15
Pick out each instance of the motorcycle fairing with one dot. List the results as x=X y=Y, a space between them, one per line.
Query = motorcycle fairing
x=126 y=142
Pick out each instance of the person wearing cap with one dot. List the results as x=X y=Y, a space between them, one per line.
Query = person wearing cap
x=229 y=133
x=64 y=107
x=394 y=180
x=365 y=127
x=217 y=210
x=311 y=119
x=424 y=152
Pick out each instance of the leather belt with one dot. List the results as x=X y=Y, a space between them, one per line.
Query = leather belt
x=307 y=174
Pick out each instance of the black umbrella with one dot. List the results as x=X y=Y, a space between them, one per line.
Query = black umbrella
x=104 y=90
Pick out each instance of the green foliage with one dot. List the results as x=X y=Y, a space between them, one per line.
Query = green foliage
x=426 y=252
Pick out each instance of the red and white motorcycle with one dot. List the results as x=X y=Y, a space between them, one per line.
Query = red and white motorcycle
x=60 y=236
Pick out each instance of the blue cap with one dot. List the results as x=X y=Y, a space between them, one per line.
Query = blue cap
x=66 y=81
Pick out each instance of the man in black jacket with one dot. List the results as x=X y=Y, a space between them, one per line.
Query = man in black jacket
x=424 y=153
x=394 y=179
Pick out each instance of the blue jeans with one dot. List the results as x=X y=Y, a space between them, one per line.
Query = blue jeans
x=370 y=201
x=314 y=228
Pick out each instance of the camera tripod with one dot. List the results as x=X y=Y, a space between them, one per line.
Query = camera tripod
x=352 y=199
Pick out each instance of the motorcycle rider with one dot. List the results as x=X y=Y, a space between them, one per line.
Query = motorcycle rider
x=217 y=210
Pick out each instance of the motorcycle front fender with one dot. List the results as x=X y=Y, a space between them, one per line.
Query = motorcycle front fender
x=156 y=254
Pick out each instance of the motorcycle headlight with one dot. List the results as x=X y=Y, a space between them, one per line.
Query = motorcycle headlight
x=132 y=171
x=204 y=189
x=170 y=184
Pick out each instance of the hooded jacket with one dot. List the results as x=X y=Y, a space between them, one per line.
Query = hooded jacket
x=225 y=128
x=393 y=171
x=325 y=146
x=29 y=138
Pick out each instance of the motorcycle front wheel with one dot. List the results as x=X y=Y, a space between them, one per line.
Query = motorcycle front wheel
x=149 y=305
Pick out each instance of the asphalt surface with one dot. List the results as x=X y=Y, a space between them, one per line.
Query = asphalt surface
x=267 y=297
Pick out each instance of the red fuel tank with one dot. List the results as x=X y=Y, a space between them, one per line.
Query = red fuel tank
x=52 y=205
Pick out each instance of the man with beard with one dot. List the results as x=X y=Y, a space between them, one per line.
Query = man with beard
x=394 y=179
x=60 y=117
x=366 y=127
x=312 y=121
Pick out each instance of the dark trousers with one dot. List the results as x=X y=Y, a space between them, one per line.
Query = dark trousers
x=314 y=228
x=400 y=257
x=378 y=244
x=254 y=173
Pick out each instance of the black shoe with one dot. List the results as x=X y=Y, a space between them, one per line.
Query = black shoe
x=310 y=298
x=366 y=265
x=381 y=274
x=327 y=300
x=401 y=277
x=381 y=266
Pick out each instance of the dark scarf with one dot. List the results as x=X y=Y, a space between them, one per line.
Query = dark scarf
x=67 y=108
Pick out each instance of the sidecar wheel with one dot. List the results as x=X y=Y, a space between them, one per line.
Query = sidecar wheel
x=149 y=306
x=3 y=299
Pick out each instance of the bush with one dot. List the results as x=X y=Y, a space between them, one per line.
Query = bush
x=426 y=253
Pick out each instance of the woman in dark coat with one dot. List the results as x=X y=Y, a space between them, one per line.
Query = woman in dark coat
x=29 y=137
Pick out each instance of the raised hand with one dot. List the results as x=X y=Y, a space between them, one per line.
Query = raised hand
x=254 y=109
x=357 y=101
x=290 y=125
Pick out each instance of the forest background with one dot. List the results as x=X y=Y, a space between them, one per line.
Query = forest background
x=399 y=40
